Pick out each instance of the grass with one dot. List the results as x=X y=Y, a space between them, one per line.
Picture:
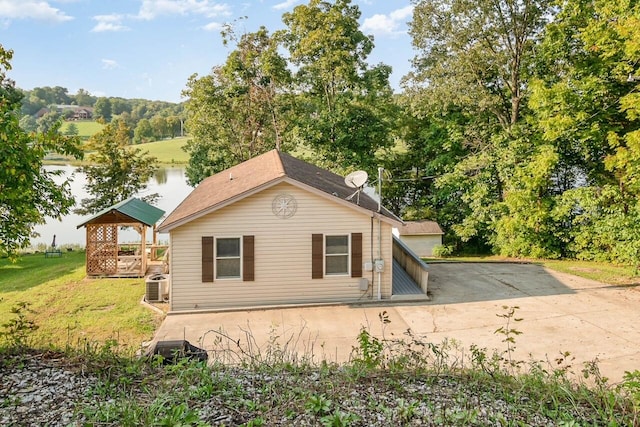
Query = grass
x=71 y=309
x=86 y=128
x=168 y=152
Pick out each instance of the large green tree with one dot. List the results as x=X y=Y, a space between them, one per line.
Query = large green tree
x=102 y=109
x=236 y=112
x=344 y=110
x=116 y=170
x=586 y=101
x=28 y=194
x=472 y=71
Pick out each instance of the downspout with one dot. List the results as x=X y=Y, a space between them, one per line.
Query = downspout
x=379 y=231
x=373 y=273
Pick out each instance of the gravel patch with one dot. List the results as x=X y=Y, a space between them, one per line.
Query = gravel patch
x=47 y=389
x=41 y=389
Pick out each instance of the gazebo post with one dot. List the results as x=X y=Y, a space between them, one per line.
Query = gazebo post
x=143 y=248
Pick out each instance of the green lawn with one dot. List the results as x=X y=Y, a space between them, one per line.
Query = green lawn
x=71 y=309
x=86 y=128
x=168 y=152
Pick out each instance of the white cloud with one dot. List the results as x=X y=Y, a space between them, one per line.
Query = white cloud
x=32 y=9
x=285 y=4
x=400 y=14
x=212 y=26
x=391 y=24
x=109 y=64
x=108 y=23
x=151 y=9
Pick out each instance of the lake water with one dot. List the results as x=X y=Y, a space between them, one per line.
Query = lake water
x=169 y=183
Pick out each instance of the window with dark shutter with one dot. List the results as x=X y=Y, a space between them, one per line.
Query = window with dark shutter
x=207 y=259
x=336 y=255
x=248 y=258
x=356 y=255
x=317 y=259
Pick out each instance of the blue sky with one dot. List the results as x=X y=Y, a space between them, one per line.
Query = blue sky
x=148 y=48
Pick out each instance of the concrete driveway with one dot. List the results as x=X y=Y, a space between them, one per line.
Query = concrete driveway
x=560 y=312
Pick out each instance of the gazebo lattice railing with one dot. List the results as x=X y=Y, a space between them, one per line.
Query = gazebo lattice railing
x=102 y=249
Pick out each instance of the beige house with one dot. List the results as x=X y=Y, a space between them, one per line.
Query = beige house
x=277 y=230
x=421 y=236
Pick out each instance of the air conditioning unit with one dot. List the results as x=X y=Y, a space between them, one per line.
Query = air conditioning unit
x=157 y=288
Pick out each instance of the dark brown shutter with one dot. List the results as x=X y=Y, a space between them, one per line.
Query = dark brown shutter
x=317 y=268
x=248 y=258
x=207 y=259
x=356 y=254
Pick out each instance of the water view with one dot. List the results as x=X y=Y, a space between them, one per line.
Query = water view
x=169 y=183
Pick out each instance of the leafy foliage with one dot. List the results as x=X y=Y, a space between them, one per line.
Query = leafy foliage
x=344 y=110
x=540 y=103
x=27 y=193
x=117 y=171
x=236 y=112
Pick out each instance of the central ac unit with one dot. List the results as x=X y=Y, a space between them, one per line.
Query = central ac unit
x=157 y=288
x=154 y=292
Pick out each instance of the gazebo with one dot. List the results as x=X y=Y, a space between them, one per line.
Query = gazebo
x=106 y=256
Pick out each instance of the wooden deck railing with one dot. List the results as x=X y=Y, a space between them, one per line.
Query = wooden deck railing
x=411 y=263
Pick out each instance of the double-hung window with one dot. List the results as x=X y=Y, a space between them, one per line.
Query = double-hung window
x=228 y=258
x=336 y=255
x=228 y=265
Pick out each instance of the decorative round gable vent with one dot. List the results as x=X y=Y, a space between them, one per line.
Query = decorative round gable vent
x=284 y=206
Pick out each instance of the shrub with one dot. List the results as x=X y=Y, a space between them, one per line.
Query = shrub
x=441 y=251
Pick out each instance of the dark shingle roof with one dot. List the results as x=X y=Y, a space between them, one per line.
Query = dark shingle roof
x=261 y=172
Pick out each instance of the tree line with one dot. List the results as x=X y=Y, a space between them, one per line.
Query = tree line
x=517 y=128
x=146 y=120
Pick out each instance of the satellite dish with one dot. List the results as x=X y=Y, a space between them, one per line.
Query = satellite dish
x=356 y=179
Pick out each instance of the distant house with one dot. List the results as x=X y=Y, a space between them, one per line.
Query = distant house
x=421 y=236
x=277 y=230
x=77 y=113
x=83 y=113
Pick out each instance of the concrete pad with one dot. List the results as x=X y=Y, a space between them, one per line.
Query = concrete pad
x=560 y=312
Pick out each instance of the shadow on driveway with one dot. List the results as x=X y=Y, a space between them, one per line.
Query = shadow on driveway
x=452 y=283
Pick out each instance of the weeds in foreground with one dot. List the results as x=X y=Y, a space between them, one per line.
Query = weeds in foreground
x=17 y=332
x=399 y=381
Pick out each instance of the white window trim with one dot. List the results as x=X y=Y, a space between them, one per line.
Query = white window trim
x=324 y=255
x=215 y=258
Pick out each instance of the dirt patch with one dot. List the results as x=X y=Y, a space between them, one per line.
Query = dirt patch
x=585 y=269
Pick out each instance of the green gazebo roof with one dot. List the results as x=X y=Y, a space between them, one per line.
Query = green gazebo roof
x=130 y=210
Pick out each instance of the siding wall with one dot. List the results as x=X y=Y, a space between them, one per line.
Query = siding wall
x=422 y=245
x=282 y=254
